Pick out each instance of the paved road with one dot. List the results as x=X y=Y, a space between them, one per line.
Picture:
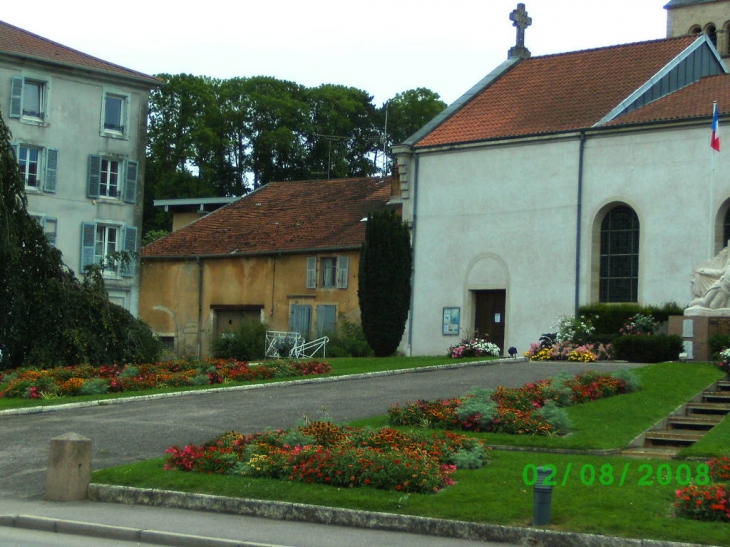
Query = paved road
x=128 y=432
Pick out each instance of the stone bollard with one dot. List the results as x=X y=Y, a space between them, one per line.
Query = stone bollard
x=69 y=468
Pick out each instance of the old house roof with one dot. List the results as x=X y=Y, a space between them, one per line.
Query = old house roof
x=282 y=217
x=21 y=43
x=579 y=90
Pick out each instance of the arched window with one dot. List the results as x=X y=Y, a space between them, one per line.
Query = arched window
x=711 y=32
x=726 y=228
x=619 y=274
x=695 y=30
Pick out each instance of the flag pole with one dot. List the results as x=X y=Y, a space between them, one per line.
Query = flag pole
x=714 y=147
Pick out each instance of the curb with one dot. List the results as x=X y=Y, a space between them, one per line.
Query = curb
x=214 y=390
x=534 y=537
x=120 y=533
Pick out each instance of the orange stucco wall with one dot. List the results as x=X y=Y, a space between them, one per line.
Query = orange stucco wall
x=173 y=304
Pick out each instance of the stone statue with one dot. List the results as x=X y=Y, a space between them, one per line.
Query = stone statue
x=711 y=285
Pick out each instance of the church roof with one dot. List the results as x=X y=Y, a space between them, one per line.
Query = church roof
x=680 y=3
x=282 y=217
x=570 y=91
x=693 y=101
x=21 y=43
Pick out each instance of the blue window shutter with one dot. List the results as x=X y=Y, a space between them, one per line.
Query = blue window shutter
x=326 y=320
x=312 y=272
x=130 y=248
x=94 y=176
x=343 y=271
x=88 y=239
x=51 y=170
x=130 y=185
x=16 y=97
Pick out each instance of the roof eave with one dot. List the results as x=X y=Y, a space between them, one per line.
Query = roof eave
x=462 y=101
x=148 y=82
x=253 y=254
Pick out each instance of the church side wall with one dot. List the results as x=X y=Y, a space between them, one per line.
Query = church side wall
x=501 y=217
x=667 y=177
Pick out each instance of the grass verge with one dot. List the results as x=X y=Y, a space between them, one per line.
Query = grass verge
x=341 y=366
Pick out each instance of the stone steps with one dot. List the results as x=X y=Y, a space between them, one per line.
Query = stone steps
x=685 y=426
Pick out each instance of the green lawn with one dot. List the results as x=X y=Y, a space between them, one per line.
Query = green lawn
x=640 y=507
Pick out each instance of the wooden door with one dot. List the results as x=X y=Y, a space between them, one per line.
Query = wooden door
x=489 y=317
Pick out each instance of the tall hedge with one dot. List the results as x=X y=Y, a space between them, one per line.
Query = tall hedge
x=47 y=316
x=384 y=288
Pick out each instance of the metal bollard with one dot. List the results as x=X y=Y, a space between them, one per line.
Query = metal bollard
x=542 y=498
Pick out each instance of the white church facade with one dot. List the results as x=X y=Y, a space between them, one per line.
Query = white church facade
x=565 y=180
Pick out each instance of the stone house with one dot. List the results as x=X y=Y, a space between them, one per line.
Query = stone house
x=286 y=254
x=78 y=125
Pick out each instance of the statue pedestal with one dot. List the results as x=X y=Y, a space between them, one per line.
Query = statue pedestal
x=695 y=328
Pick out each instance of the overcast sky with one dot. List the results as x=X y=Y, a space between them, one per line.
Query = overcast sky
x=381 y=46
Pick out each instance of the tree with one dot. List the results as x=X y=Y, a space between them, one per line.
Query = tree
x=408 y=111
x=384 y=279
x=48 y=317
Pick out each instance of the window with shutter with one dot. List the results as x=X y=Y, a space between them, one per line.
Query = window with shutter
x=92 y=190
x=28 y=99
x=51 y=170
x=130 y=252
x=130 y=183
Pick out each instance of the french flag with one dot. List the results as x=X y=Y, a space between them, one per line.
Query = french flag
x=715 y=141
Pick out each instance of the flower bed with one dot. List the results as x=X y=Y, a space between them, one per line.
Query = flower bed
x=478 y=347
x=707 y=501
x=324 y=453
x=88 y=380
x=533 y=409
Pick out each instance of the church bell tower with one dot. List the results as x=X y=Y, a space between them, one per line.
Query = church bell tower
x=711 y=17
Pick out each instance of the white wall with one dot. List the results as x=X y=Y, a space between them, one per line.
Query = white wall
x=504 y=217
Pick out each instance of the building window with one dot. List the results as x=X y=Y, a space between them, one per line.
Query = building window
x=111 y=246
x=38 y=166
x=112 y=178
x=726 y=229
x=619 y=269
x=106 y=248
x=114 y=115
x=28 y=99
x=109 y=181
x=329 y=272
x=711 y=32
x=334 y=272
x=28 y=161
x=49 y=225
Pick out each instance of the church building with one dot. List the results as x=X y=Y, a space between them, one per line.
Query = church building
x=569 y=179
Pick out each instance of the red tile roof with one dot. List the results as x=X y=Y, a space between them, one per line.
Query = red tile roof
x=282 y=216
x=554 y=93
x=19 y=42
x=693 y=101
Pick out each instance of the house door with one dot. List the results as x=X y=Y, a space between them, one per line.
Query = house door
x=300 y=319
x=489 y=316
x=230 y=320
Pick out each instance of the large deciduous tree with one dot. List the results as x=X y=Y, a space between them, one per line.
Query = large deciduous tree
x=384 y=278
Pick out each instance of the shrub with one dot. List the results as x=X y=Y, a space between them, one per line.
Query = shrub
x=648 y=348
x=717 y=343
x=479 y=347
x=609 y=318
x=246 y=343
x=556 y=416
x=94 y=386
x=349 y=341
x=630 y=379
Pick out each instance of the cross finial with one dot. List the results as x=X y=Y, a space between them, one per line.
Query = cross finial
x=521 y=21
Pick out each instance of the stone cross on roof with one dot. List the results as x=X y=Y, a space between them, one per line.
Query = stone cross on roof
x=520 y=20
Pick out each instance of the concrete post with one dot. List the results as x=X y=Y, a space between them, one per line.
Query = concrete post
x=542 y=498
x=69 y=468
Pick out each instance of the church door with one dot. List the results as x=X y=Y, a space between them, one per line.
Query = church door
x=489 y=315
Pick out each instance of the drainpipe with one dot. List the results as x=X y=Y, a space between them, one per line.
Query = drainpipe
x=579 y=227
x=200 y=308
x=414 y=191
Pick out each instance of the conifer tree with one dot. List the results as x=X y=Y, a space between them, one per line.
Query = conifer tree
x=384 y=279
